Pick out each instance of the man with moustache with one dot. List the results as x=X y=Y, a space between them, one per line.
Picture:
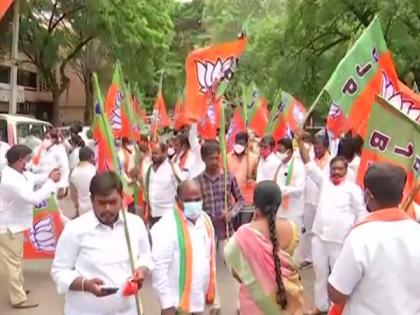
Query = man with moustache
x=91 y=264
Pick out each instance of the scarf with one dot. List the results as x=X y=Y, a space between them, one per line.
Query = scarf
x=289 y=178
x=186 y=260
x=37 y=157
x=385 y=215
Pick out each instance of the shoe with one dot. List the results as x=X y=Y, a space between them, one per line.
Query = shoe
x=215 y=311
x=27 y=292
x=25 y=304
x=315 y=311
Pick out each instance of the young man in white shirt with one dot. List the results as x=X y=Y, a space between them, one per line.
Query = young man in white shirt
x=340 y=205
x=377 y=271
x=188 y=156
x=161 y=180
x=80 y=181
x=290 y=177
x=187 y=217
x=269 y=161
x=17 y=201
x=91 y=264
x=320 y=155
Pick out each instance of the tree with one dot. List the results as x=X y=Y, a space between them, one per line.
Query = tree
x=55 y=33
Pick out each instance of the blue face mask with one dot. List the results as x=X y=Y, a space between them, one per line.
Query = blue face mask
x=192 y=209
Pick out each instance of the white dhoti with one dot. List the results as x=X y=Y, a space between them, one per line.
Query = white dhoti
x=304 y=249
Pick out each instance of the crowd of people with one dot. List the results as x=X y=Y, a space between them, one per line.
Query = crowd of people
x=278 y=208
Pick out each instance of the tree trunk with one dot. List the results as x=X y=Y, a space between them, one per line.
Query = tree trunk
x=55 y=117
x=88 y=113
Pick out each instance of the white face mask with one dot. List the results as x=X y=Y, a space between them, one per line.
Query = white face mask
x=239 y=148
x=171 y=151
x=192 y=209
x=283 y=156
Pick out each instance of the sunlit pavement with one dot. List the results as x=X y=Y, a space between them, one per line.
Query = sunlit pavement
x=38 y=280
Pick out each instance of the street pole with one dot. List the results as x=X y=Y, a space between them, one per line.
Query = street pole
x=14 y=59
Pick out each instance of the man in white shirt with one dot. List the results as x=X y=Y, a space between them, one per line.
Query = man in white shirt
x=17 y=201
x=51 y=154
x=340 y=205
x=4 y=147
x=188 y=156
x=187 y=216
x=318 y=152
x=290 y=177
x=347 y=148
x=80 y=181
x=269 y=162
x=91 y=264
x=377 y=271
x=161 y=181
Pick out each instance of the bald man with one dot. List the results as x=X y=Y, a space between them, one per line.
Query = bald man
x=185 y=232
x=377 y=271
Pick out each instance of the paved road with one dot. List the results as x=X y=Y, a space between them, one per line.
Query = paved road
x=38 y=280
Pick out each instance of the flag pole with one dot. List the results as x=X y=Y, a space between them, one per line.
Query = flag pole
x=139 y=306
x=311 y=109
x=14 y=59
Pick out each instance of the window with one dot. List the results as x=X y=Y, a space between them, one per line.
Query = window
x=4 y=74
x=3 y=130
x=26 y=78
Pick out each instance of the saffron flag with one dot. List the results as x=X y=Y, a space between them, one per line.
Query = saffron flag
x=287 y=114
x=138 y=107
x=4 y=6
x=207 y=126
x=135 y=125
x=113 y=105
x=102 y=133
x=358 y=77
x=205 y=68
x=160 y=117
x=393 y=138
x=179 y=115
x=237 y=124
x=41 y=239
x=255 y=111
x=336 y=121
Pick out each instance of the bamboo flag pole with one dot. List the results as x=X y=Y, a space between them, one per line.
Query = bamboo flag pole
x=311 y=109
x=222 y=139
x=139 y=306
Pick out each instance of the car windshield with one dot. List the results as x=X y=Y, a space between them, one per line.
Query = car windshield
x=26 y=129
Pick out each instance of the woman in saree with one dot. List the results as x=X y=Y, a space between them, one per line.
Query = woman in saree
x=260 y=255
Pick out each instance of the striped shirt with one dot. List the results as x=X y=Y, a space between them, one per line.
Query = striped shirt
x=213 y=190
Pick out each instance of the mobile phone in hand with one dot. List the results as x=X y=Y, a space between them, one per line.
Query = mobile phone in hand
x=109 y=290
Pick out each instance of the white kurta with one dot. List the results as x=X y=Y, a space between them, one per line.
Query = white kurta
x=80 y=179
x=294 y=191
x=90 y=249
x=267 y=167
x=18 y=198
x=53 y=157
x=166 y=259
x=379 y=267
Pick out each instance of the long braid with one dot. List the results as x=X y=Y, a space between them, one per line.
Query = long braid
x=281 y=295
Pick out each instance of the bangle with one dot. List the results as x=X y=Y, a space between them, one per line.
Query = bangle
x=83 y=285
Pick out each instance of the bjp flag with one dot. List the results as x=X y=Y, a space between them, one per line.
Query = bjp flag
x=205 y=68
x=4 y=6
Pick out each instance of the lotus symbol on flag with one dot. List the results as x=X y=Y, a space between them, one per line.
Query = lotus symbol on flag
x=407 y=106
x=209 y=73
x=334 y=111
x=116 y=112
x=42 y=236
x=42 y=204
x=298 y=114
x=156 y=115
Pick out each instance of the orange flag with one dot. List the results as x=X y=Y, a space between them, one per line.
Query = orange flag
x=4 y=6
x=160 y=115
x=207 y=126
x=206 y=67
x=259 y=120
x=337 y=123
x=179 y=115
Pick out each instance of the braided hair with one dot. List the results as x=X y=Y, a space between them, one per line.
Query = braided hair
x=267 y=199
